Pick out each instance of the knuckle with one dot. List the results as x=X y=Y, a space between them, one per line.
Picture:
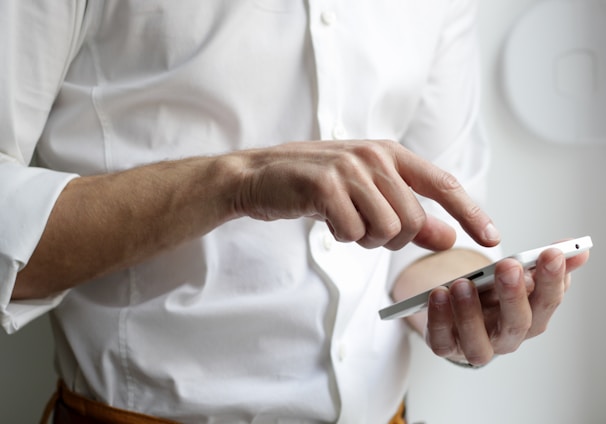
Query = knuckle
x=414 y=222
x=344 y=230
x=330 y=179
x=350 y=161
x=438 y=327
x=505 y=349
x=473 y=213
x=385 y=231
x=537 y=329
x=466 y=324
x=381 y=234
x=348 y=234
x=510 y=338
x=518 y=331
x=444 y=351
x=372 y=153
x=447 y=182
x=407 y=230
x=548 y=305
x=328 y=188
x=368 y=242
x=341 y=165
x=479 y=358
x=392 y=229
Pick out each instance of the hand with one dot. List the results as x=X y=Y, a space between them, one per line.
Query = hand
x=466 y=327
x=362 y=189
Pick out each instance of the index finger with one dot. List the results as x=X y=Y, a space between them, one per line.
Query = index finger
x=430 y=181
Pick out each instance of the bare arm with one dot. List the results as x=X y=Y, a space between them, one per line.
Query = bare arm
x=102 y=223
x=361 y=188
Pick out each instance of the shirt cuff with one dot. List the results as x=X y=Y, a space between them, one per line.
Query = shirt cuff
x=18 y=313
x=30 y=194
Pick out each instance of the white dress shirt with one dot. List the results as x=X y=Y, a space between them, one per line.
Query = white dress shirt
x=255 y=322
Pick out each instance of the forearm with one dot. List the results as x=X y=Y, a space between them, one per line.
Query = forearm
x=107 y=222
x=362 y=189
x=431 y=271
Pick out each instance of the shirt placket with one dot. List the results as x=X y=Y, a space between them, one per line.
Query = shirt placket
x=324 y=27
x=324 y=30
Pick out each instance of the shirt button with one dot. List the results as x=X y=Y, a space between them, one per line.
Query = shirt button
x=342 y=352
x=328 y=241
x=338 y=132
x=328 y=18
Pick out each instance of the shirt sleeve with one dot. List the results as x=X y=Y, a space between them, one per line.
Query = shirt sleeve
x=446 y=128
x=37 y=42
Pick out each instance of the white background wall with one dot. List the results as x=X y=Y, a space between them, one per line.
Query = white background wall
x=539 y=193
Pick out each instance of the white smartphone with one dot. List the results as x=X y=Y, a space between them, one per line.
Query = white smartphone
x=483 y=278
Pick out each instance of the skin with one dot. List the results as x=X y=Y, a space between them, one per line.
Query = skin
x=464 y=326
x=362 y=189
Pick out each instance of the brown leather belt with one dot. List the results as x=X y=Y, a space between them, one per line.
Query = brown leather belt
x=68 y=407
x=400 y=417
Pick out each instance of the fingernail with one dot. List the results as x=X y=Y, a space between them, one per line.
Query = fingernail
x=491 y=233
x=439 y=297
x=510 y=277
x=555 y=264
x=461 y=289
